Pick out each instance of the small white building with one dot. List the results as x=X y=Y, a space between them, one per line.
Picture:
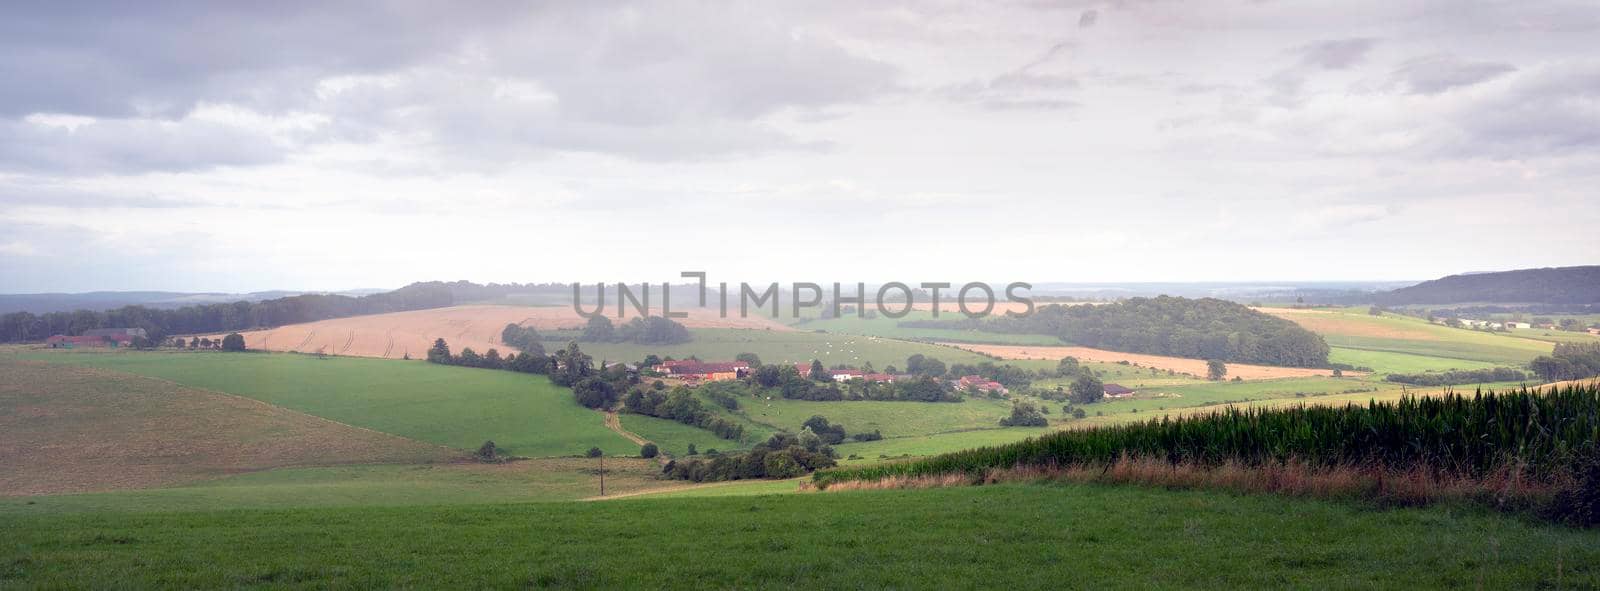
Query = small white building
x=1518 y=325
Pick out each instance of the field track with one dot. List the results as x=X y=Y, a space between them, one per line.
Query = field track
x=1194 y=367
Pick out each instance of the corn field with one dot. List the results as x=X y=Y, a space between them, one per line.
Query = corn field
x=1539 y=434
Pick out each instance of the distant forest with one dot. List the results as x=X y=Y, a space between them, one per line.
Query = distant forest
x=1205 y=328
x=1560 y=285
x=160 y=323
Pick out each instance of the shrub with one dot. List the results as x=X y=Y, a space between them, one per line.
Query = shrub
x=487 y=452
x=648 y=450
x=594 y=452
x=233 y=342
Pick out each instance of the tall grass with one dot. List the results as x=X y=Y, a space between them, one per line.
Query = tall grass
x=1540 y=436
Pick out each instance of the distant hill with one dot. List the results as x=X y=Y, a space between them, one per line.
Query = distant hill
x=44 y=303
x=1555 y=285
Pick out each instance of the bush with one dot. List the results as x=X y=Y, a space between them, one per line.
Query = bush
x=594 y=452
x=233 y=342
x=487 y=452
x=648 y=450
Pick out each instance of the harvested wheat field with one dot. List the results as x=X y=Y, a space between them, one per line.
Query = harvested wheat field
x=1327 y=322
x=401 y=334
x=1194 y=367
x=67 y=429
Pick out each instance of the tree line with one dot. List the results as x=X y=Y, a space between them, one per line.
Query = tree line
x=1456 y=377
x=1203 y=328
x=212 y=318
x=781 y=456
x=653 y=330
x=1569 y=361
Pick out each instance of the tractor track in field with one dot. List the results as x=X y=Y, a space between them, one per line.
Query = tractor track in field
x=303 y=344
x=614 y=423
x=350 y=340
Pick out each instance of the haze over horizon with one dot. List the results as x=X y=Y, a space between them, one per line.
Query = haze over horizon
x=340 y=146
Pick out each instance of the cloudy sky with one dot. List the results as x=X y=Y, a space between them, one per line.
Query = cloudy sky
x=193 y=146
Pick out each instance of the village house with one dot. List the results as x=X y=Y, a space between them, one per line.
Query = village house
x=715 y=371
x=845 y=375
x=983 y=385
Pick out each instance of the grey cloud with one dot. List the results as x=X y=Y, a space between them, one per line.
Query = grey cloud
x=688 y=80
x=1439 y=73
x=120 y=59
x=1335 y=54
x=131 y=146
x=1088 y=18
x=1550 y=109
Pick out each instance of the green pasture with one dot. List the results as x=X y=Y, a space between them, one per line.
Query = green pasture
x=454 y=406
x=1003 y=536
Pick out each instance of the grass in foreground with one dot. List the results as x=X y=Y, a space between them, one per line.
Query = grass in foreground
x=453 y=406
x=1007 y=536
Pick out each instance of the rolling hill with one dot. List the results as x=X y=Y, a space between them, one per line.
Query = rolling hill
x=1551 y=285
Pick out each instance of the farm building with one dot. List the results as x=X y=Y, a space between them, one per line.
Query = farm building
x=1117 y=391
x=983 y=385
x=66 y=342
x=1518 y=325
x=116 y=332
x=845 y=375
x=705 y=371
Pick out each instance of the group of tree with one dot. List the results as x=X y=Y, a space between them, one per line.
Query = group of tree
x=1569 y=361
x=782 y=456
x=522 y=362
x=1025 y=414
x=817 y=384
x=834 y=433
x=1456 y=377
x=1203 y=328
x=680 y=405
x=522 y=338
x=653 y=330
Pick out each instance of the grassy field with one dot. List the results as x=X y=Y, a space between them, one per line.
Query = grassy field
x=874 y=451
x=452 y=406
x=79 y=429
x=548 y=479
x=781 y=347
x=1392 y=333
x=1008 y=536
x=893 y=419
x=1385 y=362
x=674 y=437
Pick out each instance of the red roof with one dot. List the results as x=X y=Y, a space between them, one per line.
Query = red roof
x=695 y=367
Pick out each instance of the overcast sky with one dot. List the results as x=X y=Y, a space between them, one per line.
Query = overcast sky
x=199 y=147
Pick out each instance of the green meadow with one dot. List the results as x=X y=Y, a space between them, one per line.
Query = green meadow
x=1003 y=536
x=453 y=406
x=674 y=438
x=892 y=419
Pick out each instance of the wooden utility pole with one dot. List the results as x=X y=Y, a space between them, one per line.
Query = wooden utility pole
x=602 y=474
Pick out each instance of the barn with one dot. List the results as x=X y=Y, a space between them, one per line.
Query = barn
x=1118 y=391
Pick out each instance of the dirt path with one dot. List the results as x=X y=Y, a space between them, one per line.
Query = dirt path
x=614 y=423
